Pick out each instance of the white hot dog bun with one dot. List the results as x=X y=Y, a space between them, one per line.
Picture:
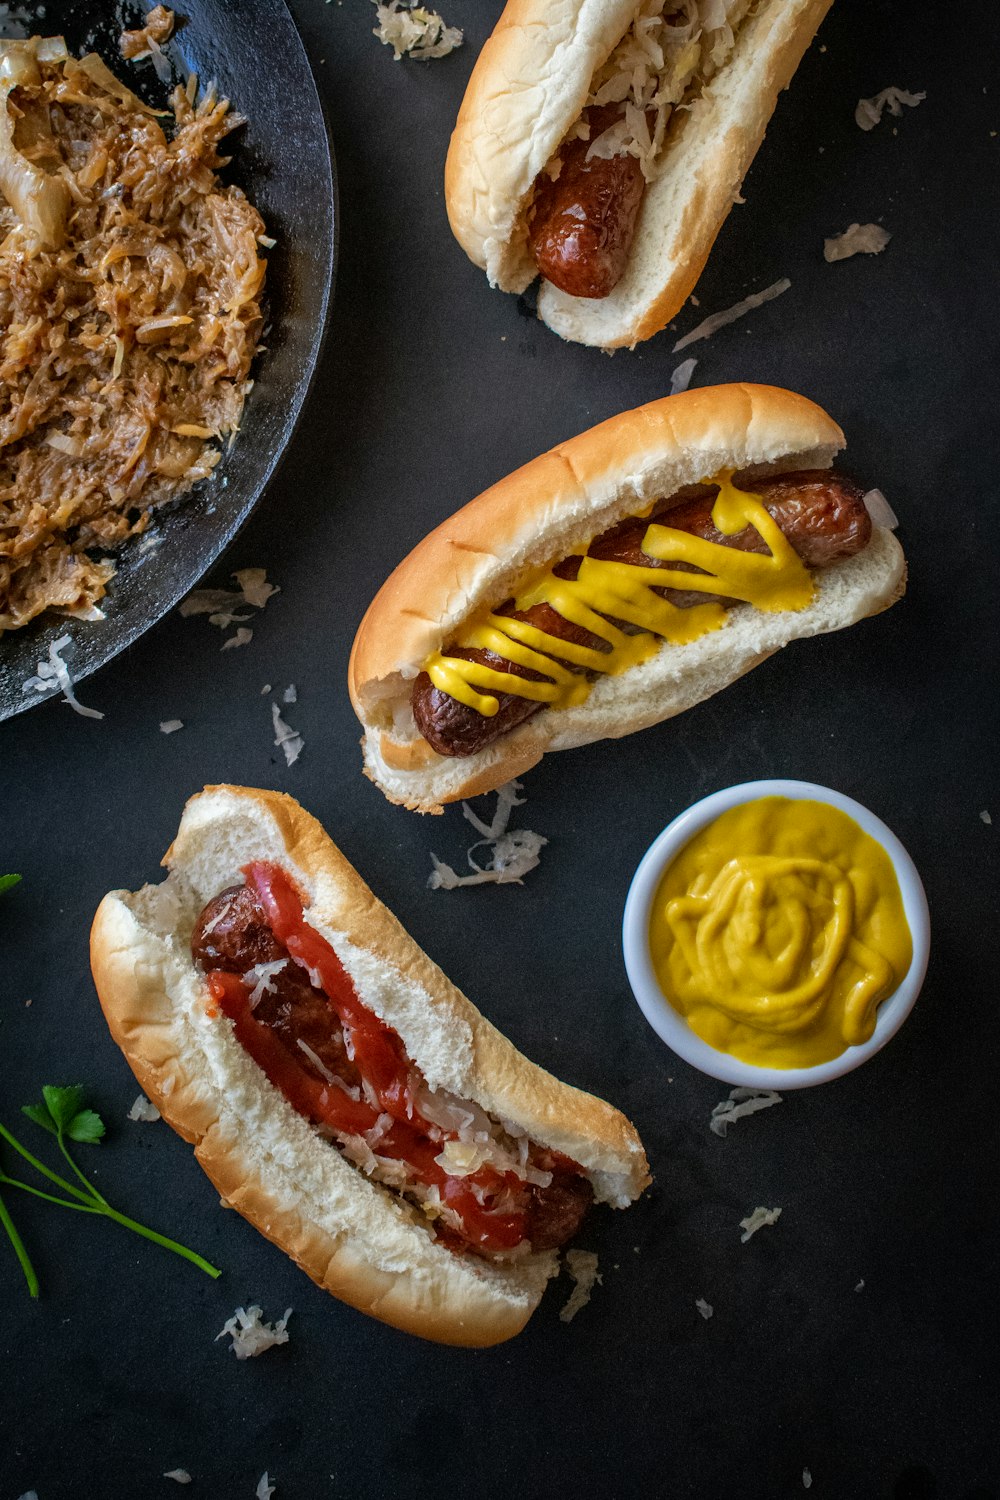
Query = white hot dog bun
x=529 y=88
x=354 y=1237
x=560 y=502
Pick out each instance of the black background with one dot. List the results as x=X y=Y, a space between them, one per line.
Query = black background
x=432 y=386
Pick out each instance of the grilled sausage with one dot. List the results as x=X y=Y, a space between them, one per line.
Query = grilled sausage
x=232 y=934
x=581 y=225
x=821 y=513
x=556 y=1212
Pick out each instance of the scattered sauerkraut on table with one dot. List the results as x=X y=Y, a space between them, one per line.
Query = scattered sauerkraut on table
x=857 y=239
x=413 y=31
x=130 y=286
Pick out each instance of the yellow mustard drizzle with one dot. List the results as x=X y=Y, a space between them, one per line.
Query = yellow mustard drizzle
x=777 y=932
x=772 y=581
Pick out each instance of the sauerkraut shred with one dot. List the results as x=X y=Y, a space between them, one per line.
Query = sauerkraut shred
x=857 y=239
x=250 y=1334
x=582 y=1266
x=515 y=852
x=223 y=606
x=147 y=43
x=680 y=380
x=880 y=510
x=670 y=53
x=740 y=1103
x=715 y=321
x=261 y=981
x=481 y=1141
x=868 y=113
x=130 y=285
x=55 y=673
x=145 y=1110
x=286 y=739
x=414 y=31
x=759 y=1219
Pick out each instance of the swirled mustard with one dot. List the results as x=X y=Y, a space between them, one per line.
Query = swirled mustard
x=778 y=930
x=604 y=591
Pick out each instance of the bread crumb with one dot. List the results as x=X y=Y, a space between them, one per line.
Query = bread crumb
x=705 y=1308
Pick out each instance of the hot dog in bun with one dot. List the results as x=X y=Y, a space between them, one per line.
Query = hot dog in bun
x=601 y=146
x=339 y=1091
x=611 y=583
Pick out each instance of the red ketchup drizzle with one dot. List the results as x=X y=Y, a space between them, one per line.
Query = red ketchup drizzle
x=379 y=1056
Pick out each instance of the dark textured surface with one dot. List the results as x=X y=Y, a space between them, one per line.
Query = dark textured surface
x=431 y=387
x=282 y=161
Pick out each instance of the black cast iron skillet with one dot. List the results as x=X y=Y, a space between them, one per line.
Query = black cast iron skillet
x=283 y=161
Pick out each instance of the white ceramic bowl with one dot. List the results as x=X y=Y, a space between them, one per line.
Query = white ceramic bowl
x=672 y=1026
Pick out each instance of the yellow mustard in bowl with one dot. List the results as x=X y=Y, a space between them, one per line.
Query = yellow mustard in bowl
x=778 y=930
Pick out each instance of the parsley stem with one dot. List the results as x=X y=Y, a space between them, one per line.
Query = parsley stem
x=89 y=1201
x=84 y=1179
x=25 y=1187
x=160 y=1239
x=19 y=1250
x=40 y=1166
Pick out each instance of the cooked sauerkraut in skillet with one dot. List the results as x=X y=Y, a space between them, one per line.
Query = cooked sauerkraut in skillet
x=130 y=287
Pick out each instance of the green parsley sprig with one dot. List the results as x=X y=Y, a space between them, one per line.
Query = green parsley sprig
x=6 y=881
x=61 y=1112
